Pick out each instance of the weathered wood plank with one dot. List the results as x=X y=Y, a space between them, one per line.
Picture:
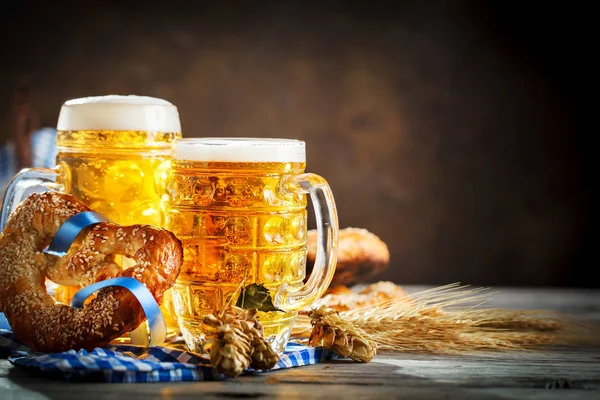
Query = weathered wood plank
x=582 y=303
x=219 y=390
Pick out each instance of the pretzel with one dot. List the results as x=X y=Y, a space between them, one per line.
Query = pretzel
x=362 y=255
x=36 y=318
x=342 y=298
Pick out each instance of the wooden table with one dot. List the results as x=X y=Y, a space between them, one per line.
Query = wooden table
x=572 y=373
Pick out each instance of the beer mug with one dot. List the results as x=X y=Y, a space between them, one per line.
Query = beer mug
x=113 y=155
x=238 y=205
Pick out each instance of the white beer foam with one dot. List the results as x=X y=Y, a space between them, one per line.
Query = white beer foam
x=240 y=150
x=119 y=113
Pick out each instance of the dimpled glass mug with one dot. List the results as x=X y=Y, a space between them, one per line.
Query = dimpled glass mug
x=113 y=155
x=238 y=205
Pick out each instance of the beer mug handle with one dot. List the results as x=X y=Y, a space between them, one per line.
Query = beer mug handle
x=24 y=183
x=327 y=242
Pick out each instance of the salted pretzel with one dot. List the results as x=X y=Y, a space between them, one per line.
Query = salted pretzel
x=36 y=318
x=362 y=255
x=342 y=298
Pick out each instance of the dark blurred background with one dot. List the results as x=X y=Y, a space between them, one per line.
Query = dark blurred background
x=454 y=130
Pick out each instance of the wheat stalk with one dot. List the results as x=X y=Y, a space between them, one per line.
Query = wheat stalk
x=451 y=319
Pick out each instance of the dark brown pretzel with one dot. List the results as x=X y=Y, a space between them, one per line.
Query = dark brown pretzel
x=36 y=318
x=362 y=256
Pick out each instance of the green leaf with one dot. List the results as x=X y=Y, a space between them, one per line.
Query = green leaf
x=256 y=296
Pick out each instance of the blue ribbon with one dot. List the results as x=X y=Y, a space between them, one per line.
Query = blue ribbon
x=156 y=322
x=68 y=231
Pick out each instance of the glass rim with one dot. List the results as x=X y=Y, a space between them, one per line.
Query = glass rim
x=239 y=149
x=237 y=141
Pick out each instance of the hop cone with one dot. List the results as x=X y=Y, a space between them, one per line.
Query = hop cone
x=237 y=342
x=263 y=355
x=341 y=337
x=228 y=348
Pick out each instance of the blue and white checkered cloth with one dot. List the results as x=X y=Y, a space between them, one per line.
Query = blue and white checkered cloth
x=127 y=363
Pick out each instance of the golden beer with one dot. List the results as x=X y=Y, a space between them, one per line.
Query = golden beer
x=114 y=155
x=128 y=185
x=238 y=225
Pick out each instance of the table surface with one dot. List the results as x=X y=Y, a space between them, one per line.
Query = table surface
x=569 y=373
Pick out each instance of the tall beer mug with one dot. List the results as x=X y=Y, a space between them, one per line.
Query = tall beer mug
x=239 y=208
x=114 y=155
